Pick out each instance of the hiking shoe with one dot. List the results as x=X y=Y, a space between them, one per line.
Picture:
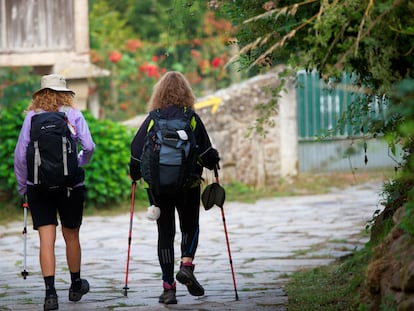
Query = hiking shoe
x=168 y=295
x=51 y=302
x=75 y=294
x=186 y=276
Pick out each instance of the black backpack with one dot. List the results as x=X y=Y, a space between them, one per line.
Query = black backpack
x=169 y=157
x=52 y=159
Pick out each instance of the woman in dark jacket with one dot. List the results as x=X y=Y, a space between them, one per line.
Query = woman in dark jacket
x=171 y=96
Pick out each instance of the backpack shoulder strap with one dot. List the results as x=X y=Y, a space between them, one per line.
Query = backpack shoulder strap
x=190 y=117
x=65 y=109
x=155 y=116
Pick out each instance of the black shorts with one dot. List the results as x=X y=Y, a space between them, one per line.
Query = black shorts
x=45 y=204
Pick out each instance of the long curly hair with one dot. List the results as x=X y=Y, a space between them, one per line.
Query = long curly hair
x=50 y=100
x=172 y=89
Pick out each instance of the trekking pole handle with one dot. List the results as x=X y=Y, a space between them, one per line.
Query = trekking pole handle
x=216 y=168
x=24 y=202
x=25 y=205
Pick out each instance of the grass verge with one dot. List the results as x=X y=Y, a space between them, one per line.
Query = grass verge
x=329 y=288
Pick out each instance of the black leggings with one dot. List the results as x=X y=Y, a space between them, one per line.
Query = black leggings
x=188 y=207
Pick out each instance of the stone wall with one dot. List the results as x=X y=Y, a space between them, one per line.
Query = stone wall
x=258 y=160
x=390 y=274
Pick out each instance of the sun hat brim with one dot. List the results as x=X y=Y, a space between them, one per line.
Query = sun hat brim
x=58 y=89
x=54 y=82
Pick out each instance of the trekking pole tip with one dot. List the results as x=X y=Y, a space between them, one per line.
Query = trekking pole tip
x=125 y=290
x=25 y=274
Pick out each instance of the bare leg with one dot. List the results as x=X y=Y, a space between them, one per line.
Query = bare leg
x=47 y=235
x=73 y=248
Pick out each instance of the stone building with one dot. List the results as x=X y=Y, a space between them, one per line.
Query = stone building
x=52 y=36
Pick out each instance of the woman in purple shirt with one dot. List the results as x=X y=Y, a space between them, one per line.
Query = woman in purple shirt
x=44 y=204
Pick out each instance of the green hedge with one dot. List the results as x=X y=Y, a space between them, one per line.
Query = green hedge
x=107 y=178
x=11 y=120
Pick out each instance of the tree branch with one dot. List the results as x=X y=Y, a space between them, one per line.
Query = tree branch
x=361 y=26
x=379 y=18
x=282 y=41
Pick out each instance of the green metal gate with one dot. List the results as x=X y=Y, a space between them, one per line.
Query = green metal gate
x=320 y=105
x=319 y=108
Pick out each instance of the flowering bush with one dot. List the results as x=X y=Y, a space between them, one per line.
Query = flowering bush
x=136 y=64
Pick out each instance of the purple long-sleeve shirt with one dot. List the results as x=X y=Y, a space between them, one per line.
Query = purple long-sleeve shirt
x=82 y=135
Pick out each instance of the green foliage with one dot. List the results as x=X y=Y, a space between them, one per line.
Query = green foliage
x=11 y=120
x=373 y=41
x=402 y=190
x=107 y=178
x=108 y=30
x=16 y=84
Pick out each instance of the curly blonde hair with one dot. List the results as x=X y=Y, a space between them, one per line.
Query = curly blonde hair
x=50 y=100
x=172 y=89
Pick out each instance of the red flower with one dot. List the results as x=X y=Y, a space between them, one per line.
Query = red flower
x=143 y=67
x=216 y=62
x=155 y=58
x=152 y=71
x=115 y=56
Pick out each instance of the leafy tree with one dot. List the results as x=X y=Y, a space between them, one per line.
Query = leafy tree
x=373 y=41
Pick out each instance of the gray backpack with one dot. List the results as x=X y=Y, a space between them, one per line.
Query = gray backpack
x=169 y=157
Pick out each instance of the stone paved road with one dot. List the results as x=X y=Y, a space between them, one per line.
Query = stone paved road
x=268 y=240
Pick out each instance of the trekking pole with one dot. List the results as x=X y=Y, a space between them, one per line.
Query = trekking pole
x=131 y=217
x=227 y=237
x=25 y=207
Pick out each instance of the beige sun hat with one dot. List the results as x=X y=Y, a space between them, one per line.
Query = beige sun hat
x=54 y=82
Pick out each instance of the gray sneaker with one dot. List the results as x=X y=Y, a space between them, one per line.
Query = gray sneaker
x=75 y=294
x=186 y=276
